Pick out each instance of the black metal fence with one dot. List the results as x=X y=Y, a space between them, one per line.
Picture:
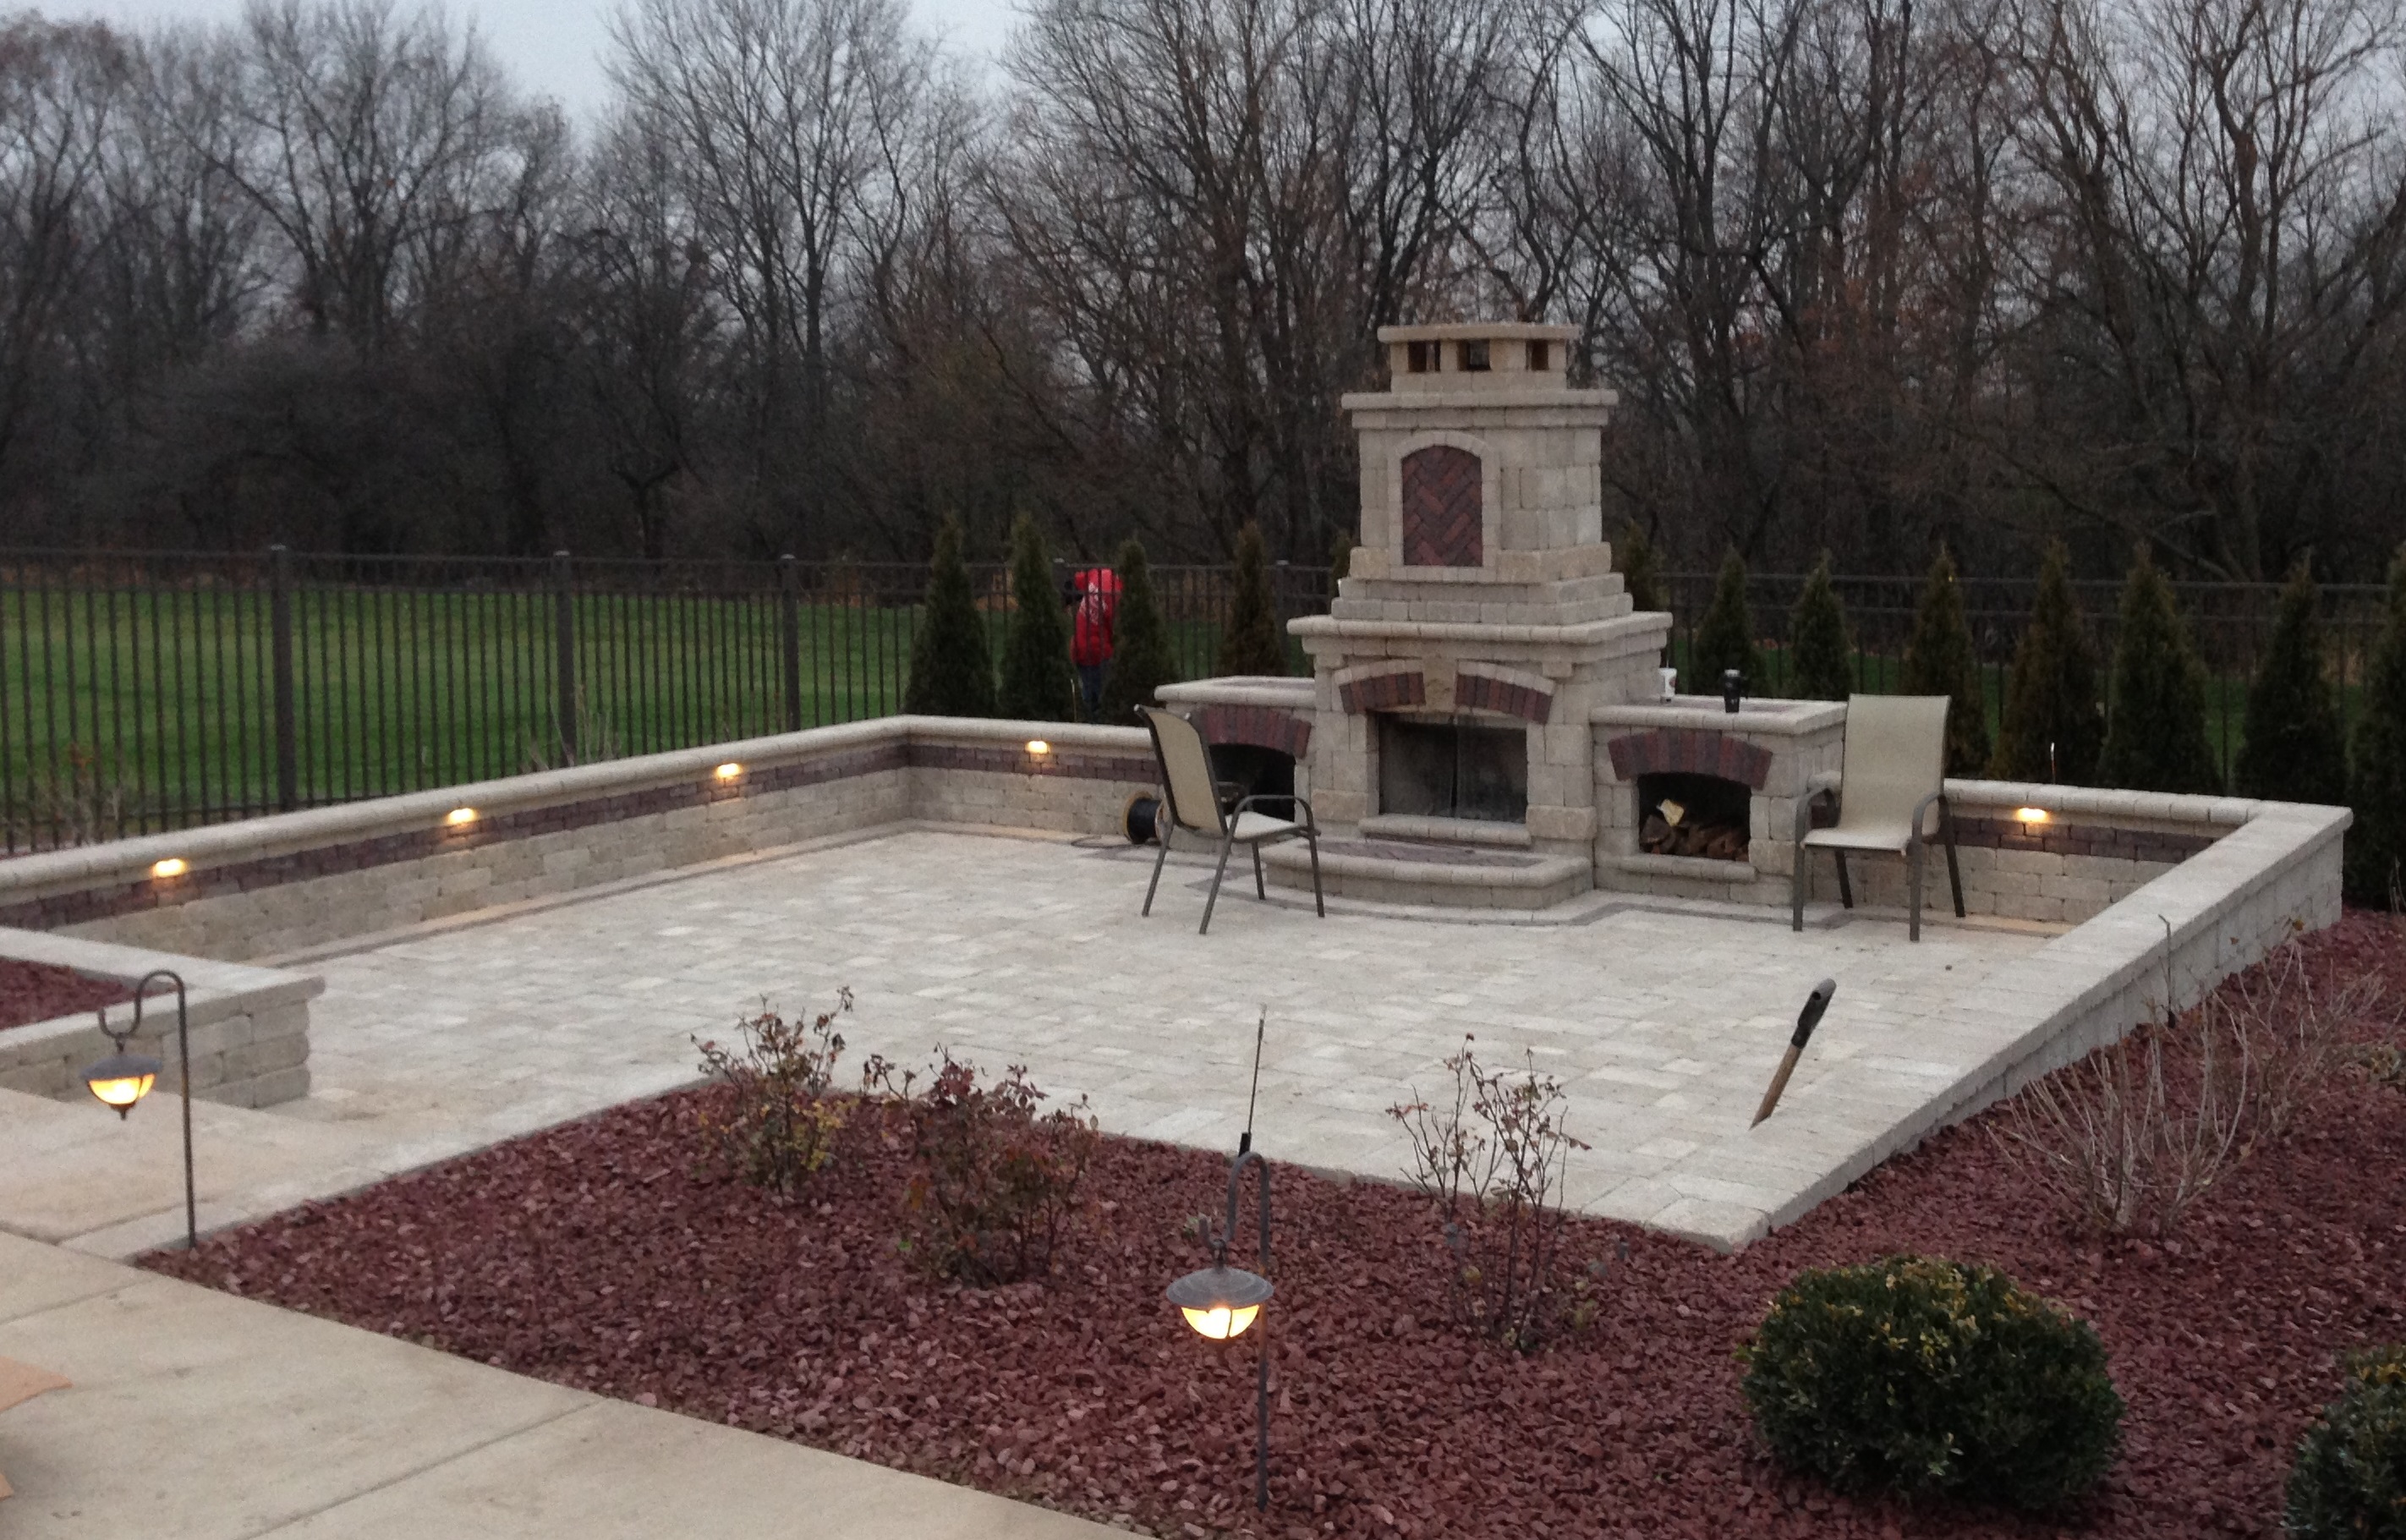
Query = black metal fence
x=150 y=691
x=156 y=690
x=2229 y=623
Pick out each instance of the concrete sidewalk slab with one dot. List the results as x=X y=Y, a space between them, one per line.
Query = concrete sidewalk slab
x=195 y=1415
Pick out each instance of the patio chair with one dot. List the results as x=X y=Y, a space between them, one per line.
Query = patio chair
x=1191 y=799
x=1893 y=776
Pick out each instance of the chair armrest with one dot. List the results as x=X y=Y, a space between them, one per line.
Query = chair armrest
x=1294 y=801
x=1921 y=812
x=1815 y=792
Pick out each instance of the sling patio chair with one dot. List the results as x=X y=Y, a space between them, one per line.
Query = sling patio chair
x=1894 y=777
x=1191 y=799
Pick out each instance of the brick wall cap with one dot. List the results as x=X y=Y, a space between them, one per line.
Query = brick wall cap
x=1638 y=625
x=1241 y=690
x=1784 y=718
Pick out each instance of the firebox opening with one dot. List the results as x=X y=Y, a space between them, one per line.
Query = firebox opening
x=1697 y=815
x=1453 y=769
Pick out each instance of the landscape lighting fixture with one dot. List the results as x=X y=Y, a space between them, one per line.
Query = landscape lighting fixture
x=2032 y=815
x=1221 y=1302
x=121 y=1080
x=729 y=770
x=174 y=865
x=460 y=817
x=1038 y=747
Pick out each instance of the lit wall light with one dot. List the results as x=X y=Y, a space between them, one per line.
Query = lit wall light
x=460 y=817
x=174 y=865
x=2032 y=815
x=1038 y=747
x=729 y=770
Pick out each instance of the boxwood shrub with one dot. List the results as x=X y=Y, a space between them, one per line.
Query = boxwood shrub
x=1927 y=1377
x=2349 y=1482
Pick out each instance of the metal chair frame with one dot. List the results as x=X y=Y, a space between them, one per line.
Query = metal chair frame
x=1223 y=823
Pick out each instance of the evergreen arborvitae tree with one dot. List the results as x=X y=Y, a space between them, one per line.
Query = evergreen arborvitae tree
x=1940 y=660
x=2294 y=751
x=1037 y=684
x=2051 y=694
x=1635 y=560
x=1726 y=638
x=2376 y=787
x=1251 y=644
x=2155 y=709
x=952 y=670
x=1340 y=557
x=1820 y=655
x=1142 y=661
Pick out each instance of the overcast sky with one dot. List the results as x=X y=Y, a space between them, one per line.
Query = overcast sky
x=554 y=45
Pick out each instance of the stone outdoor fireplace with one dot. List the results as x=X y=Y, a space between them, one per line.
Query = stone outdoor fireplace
x=1481 y=622
x=1452 y=769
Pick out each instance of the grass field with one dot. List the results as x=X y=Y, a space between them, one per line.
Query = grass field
x=129 y=709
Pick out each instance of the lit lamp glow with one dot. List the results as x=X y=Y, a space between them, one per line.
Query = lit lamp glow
x=460 y=817
x=2032 y=815
x=1220 y=1302
x=121 y=1080
x=1038 y=747
x=729 y=770
x=174 y=865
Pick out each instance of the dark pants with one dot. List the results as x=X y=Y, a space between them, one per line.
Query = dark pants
x=1090 y=687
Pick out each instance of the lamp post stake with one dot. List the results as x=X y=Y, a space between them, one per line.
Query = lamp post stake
x=122 y=1081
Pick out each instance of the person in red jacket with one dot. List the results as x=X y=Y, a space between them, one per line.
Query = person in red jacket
x=1095 y=594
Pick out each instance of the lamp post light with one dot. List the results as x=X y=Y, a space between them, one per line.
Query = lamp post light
x=1222 y=1302
x=123 y=1078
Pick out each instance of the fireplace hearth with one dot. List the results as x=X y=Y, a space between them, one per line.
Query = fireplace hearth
x=1452 y=770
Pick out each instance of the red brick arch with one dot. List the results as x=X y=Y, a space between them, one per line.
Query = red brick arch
x=1689 y=751
x=1261 y=727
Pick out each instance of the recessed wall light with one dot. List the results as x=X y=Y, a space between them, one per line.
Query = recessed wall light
x=729 y=770
x=174 y=865
x=2034 y=815
x=459 y=817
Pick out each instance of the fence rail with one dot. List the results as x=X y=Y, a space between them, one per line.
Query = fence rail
x=146 y=691
x=157 y=690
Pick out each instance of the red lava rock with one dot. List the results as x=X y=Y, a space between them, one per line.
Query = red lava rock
x=42 y=992
x=604 y=1256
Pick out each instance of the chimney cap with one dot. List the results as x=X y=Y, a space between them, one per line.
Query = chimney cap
x=1478 y=331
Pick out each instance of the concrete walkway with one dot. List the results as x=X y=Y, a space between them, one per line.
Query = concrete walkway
x=198 y=1415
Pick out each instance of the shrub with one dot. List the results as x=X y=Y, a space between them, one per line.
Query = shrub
x=993 y=1182
x=1638 y=573
x=2349 y=1481
x=2054 y=722
x=1340 y=555
x=2294 y=751
x=2128 y=1138
x=1922 y=1376
x=1491 y=1161
x=2155 y=712
x=952 y=670
x=1142 y=661
x=2376 y=787
x=1252 y=645
x=778 y=1125
x=1941 y=659
x=1820 y=655
x=1725 y=641
x=1037 y=684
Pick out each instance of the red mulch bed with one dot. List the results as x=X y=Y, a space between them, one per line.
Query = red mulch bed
x=39 y=992
x=596 y=1256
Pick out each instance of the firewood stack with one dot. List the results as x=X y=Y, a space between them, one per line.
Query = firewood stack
x=1669 y=831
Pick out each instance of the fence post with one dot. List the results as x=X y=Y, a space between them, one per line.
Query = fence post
x=789 y=640
x=563 y=615
x=287 y=729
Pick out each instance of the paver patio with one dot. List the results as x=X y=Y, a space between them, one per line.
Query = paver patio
x=1663 y=1020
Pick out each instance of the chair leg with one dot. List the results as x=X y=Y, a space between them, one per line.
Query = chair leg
x=1312 y=843
x=1259 y=891
x=1217 y=872
x=1161 y=830
x=1845 y=889
x=1954 y=873
x=1796 y=891
x=1916 y=857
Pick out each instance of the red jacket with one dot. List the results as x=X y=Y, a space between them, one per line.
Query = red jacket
x=1098 y=613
